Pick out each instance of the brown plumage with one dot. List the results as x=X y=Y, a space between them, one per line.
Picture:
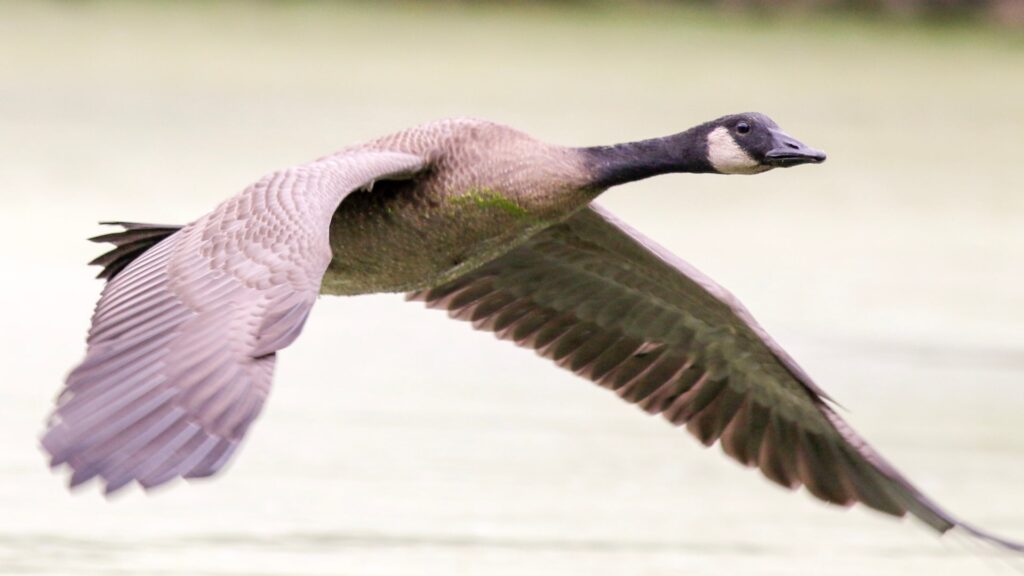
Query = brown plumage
x=499 y=230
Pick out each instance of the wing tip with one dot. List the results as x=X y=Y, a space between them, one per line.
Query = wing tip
x=998 y=542
x=64 y=459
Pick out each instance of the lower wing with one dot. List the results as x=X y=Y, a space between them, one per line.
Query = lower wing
x=600 y=299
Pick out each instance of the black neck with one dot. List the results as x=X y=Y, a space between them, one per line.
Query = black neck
x=621 y=163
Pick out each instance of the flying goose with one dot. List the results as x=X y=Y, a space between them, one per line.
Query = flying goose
x=500 y=230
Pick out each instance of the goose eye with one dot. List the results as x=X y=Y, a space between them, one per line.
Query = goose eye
x=742 y=128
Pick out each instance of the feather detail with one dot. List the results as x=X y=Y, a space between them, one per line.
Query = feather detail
x=184 y=338
x=598 y=298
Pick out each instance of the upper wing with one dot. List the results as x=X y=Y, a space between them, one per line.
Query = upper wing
x=182 y=345
x=600 y=299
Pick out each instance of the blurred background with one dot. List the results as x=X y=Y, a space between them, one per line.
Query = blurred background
x=399 y=442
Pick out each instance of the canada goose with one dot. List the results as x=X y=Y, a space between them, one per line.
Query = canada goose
x=497 y=228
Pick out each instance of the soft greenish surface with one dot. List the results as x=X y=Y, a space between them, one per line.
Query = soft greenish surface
x=489 y=199
x=397 y=442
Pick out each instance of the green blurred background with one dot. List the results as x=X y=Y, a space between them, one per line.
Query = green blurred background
x=1005 y=12
x=398 y=442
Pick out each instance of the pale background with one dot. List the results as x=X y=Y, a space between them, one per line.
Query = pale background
x=398 y=442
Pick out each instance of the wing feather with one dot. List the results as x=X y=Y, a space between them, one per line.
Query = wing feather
x=182 y=345
x=600 y=299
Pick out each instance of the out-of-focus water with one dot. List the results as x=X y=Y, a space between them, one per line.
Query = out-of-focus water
x=398 y=442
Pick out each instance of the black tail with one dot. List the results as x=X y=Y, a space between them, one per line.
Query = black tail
x=128 y=245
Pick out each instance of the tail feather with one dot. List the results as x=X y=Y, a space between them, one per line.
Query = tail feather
x=129 y=244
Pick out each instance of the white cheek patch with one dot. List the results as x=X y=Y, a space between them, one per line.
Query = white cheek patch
x=727 y=157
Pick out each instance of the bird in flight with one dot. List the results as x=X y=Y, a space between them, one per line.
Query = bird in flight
x=499 y=229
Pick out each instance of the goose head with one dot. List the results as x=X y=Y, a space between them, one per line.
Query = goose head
x=752 y=143
x=748 y=143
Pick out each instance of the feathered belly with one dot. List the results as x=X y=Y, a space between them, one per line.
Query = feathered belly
x=399 y=237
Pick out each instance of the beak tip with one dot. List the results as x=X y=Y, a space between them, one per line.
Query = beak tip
x=794 y=157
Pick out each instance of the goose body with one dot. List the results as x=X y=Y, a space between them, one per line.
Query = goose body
x=500 y=230
x=402 y=235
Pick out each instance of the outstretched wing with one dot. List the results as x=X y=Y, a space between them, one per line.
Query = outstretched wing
x=182 y=345
x=600 y=299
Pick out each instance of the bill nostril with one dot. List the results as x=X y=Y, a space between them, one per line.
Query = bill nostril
x=793 y=145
